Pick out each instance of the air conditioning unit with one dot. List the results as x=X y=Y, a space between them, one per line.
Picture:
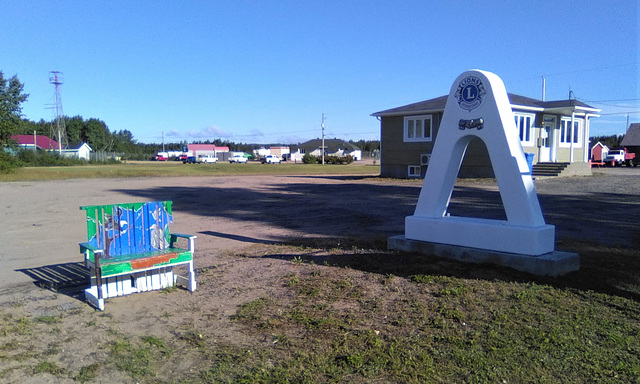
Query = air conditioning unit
x=425 y=158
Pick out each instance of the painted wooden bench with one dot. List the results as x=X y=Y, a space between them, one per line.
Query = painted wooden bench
x=130 y=250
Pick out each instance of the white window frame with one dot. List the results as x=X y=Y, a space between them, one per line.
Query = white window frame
x=522 y=133
x=414 y=171
x=576 y=135
x=411 y=135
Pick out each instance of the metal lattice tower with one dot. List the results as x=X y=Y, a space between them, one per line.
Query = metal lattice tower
x=59 y=131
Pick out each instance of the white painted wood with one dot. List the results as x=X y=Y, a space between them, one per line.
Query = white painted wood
x=144 y=280
x=478 y=107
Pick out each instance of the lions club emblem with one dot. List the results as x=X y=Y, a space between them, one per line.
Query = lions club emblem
x=470 y=93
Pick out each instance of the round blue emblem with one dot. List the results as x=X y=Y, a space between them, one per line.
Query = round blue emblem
x=470 y=93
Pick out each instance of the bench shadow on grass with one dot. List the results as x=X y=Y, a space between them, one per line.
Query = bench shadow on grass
x=67 y=278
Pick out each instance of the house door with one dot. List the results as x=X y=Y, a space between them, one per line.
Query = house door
x=545 y=148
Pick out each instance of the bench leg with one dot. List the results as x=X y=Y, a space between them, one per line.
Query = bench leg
x=91 y=295
x=192 y=277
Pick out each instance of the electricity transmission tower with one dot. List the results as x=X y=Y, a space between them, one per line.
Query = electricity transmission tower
x=58 y=131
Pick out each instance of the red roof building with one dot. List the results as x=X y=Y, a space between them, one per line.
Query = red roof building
x=205 y=148
x=42 y=142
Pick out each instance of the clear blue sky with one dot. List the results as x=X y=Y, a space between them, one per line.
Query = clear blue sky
x=265 y=71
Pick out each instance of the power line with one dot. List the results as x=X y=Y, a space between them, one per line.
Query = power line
x=620 y=113
x=602 y=101
x=578 y=71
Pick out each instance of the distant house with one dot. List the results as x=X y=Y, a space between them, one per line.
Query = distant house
x=279 y=151
x=261 y=152
x=82 y=152
x=205 y=149
x=332 y=147
x=553 y=131
x=631 y=139
x=41 y=142
x=598 y=152
x=46 y=144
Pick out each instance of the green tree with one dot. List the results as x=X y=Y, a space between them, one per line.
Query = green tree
x=11 y=97
x=73 y=126
x=96 y=133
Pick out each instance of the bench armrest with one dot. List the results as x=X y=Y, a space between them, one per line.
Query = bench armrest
x=191 y=240
x=88 y=247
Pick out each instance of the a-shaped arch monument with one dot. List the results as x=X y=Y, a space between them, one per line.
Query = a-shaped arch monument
x=478 y=107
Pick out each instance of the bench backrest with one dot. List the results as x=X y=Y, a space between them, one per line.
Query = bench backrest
x=124 y=229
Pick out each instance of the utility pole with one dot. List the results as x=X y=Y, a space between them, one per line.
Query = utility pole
x=323 y=138
x=627 y=126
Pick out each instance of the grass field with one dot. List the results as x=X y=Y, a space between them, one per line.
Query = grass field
x=176 y=168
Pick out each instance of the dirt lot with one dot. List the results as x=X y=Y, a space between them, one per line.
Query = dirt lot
x=236 y=216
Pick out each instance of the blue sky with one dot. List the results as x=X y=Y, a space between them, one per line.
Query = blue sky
x=266 y=71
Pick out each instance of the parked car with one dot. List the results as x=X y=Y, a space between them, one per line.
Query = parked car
x=161 y=158
x=271 y=159
x=237 y=159
x=207 y=159
x=189 y=160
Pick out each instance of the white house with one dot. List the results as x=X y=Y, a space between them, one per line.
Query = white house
x=82 y=152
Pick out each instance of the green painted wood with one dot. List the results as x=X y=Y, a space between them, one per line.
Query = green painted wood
x=130 y=231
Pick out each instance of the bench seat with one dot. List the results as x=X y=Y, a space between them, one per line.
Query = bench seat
x=141 y=261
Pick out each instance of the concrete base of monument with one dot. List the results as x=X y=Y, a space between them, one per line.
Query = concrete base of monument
x=494 y=235
x=555 y=263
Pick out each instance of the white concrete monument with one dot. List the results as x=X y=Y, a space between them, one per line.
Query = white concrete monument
x=478 y=107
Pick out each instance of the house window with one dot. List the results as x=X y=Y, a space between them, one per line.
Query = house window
x=414 y=171
x=418 y=128
x=524 y=124
x=569 y=134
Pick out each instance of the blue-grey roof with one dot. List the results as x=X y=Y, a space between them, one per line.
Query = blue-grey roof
x=632 y=137
x=438 y=104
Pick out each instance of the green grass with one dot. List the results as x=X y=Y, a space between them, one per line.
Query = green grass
x=172 y=169
x=46 y=319
x=11 y=326
x=48 y=367
x=88 y=373
x=518 y=332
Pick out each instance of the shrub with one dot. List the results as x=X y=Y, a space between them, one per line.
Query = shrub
x=309 y=159
x=338 y=160
x=8 y=162
x=46 y=159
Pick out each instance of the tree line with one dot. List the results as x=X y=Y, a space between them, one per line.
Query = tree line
x=612 y=141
